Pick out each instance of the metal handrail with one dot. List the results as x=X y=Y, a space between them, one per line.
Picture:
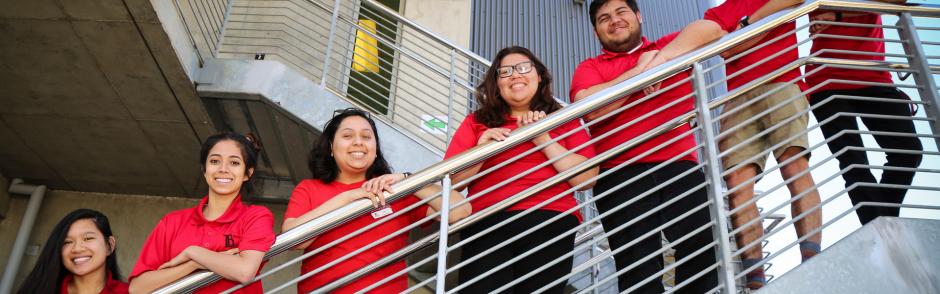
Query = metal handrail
x=425 y=31
x=574 y=111
x=421 y=57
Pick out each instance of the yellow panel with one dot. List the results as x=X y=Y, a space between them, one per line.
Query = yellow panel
x=366 y=56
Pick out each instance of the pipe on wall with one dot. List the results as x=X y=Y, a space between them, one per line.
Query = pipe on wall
x=22 y=236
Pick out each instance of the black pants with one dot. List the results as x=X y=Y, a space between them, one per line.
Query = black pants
x=652 y=243
x=850 y=157
x=516 y=248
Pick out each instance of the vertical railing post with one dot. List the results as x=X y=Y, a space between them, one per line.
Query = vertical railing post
x=923 y=77
x=442 y=240
x=330 y=41
x=713 y=176
x=450 y=97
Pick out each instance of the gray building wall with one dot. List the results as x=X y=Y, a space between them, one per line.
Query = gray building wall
x=560 y=31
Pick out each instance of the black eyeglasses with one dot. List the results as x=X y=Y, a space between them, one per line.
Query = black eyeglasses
x=352 y=110
x=521 y=68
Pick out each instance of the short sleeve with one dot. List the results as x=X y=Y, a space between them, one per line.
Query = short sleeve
x=258 y=229
x=585 y=76
x=464 y=138
x=154 y=252
x=665 y=40
x=419 y=212
x=300 y=200
x=725 y=15
x=579 y=138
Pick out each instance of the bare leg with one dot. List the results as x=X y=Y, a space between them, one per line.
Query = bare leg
x=813 y=220
x=744 y=194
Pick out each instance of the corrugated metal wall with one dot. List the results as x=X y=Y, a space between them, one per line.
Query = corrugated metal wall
x=560 y=31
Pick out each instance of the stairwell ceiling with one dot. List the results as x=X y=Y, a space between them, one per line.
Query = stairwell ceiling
x=93 y=98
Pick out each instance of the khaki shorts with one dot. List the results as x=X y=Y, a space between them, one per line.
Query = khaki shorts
x=794 y=128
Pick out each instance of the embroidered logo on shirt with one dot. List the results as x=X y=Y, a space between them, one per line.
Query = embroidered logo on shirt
x=230 y=241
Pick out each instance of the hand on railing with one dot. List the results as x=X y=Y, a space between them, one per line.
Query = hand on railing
x=586 y=105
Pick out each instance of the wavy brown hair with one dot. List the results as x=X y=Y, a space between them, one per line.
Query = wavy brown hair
x=492 y=109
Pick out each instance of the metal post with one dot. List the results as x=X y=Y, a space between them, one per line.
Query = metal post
x=26 y=228
x=329 y=42
x=450 y=97
x=442 y=240
x=713 y=176
x=927 y=87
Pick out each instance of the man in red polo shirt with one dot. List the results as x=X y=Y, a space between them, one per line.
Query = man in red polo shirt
x=617 y=26
x=785 y=127
x=827 y=82
x=785 y=124
x=729 y=16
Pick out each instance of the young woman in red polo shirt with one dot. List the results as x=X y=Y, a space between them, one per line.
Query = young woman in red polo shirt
x=221 y=234
x=515 y=92
x=79 y=257
x=347 y=164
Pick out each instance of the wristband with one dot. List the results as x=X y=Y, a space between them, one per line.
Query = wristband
x=745 y=21
x=407 y=174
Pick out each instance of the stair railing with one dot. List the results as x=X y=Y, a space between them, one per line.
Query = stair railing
x=726 y=265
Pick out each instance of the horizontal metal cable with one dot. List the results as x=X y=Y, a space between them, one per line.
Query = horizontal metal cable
x=649 y=234
x=800 y=195
x=573 y=230
x=359 y=231
x=583 y=107
x=762 y=45
x=596 y=160
x=821 y=183
x=612 y=170
x=425 y=31
x=823 y=226
x=459 y=224
x=854 y=24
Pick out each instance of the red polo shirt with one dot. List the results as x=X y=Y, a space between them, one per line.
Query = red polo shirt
x=728 y=15
x=312 y=193
x=827 y=73
x=610 y=65
x=470 y=131
x=246 y=227
x=111 y=286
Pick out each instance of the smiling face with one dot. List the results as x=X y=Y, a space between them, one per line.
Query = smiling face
x=618 y=27
x=225 y=169
x=518 y=89
x=85 y=248
x=354 y=147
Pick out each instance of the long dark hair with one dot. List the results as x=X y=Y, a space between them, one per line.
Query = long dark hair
x=323 y=166
x=247 y=143
x=47 y=274
x=492 y=109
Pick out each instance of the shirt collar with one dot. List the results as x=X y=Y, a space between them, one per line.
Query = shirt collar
x=229 y=216
x=607 y=55
x=110 y=283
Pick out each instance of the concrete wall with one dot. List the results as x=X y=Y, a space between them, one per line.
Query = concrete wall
x=132 y=218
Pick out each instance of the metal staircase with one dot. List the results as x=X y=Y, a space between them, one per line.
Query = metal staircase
x=888 y=255
x=300 y=60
